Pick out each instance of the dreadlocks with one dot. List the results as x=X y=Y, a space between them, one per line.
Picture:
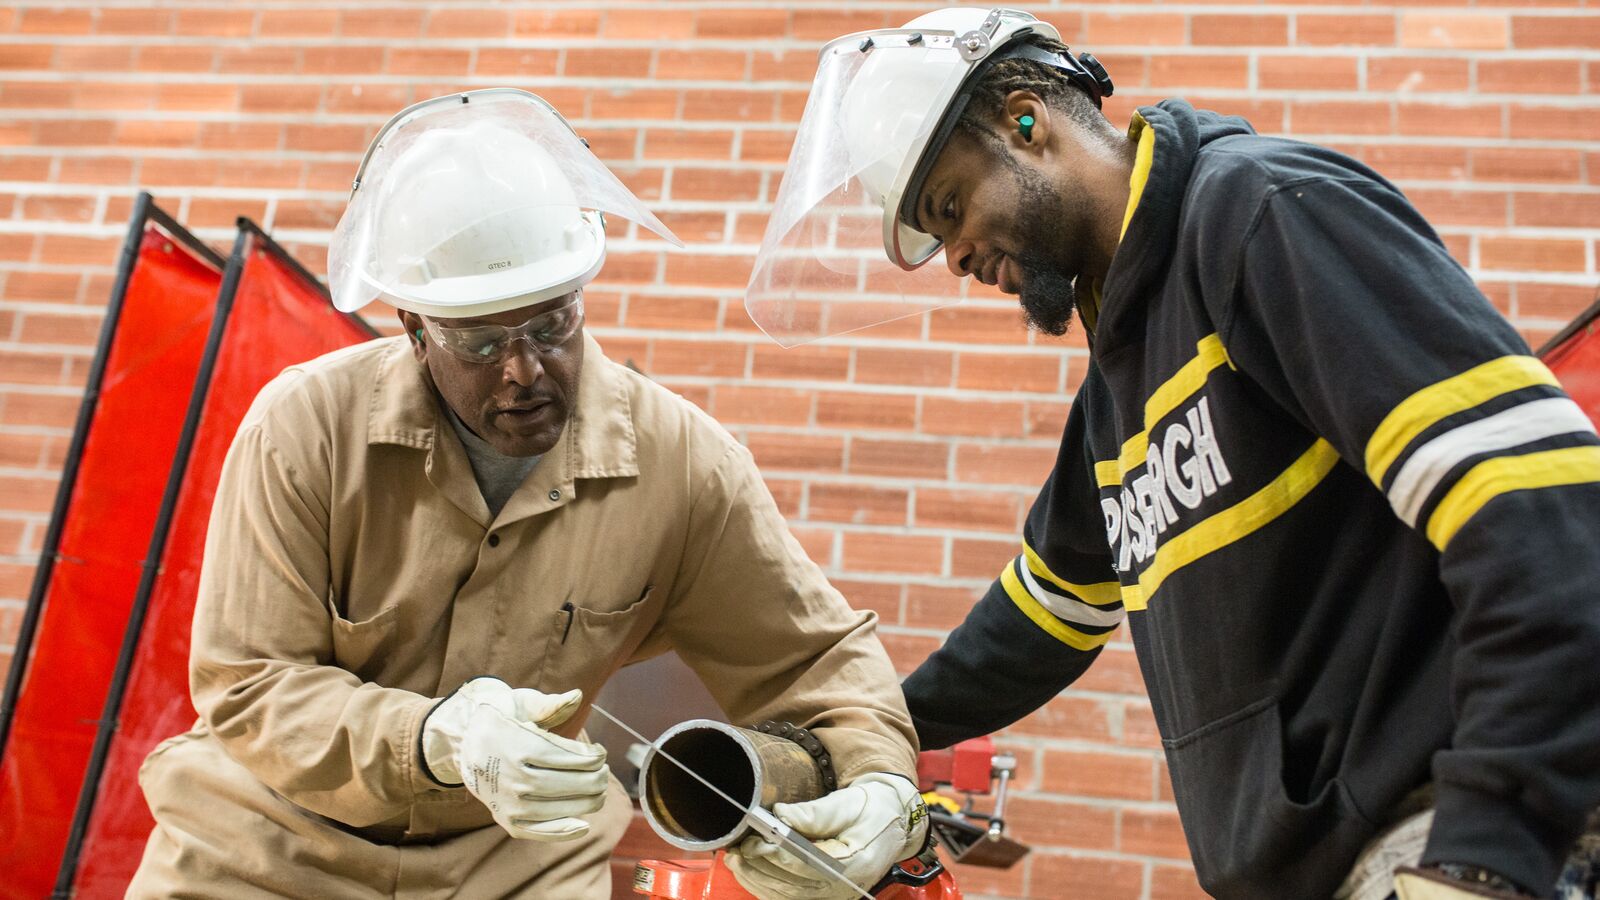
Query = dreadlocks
x=1051 y=84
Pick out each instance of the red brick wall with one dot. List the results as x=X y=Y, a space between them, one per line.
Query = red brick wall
x=904 y=455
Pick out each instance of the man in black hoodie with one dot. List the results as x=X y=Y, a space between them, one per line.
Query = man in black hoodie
x=1353 y=523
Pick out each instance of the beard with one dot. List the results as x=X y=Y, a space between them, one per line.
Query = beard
x=1047 y=292
x=1046 y=295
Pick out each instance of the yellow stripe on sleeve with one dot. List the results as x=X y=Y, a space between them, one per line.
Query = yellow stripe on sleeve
x=1042 y=617
x=1504 y=474
x=1421 y=410
x=1107 y=473
x=1180 y=387
x=1237 y=521
x=1097 y=594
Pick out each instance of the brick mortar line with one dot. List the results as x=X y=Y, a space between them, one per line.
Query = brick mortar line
x=1101 y=803
x=668 y=163
x=156 y=76
x=1584 y=278
x=666 y=7
x=1066 y=850
x=898 y=531
x=27 y=474
x=38 y=431
x=639 y=163
x=646 y=293
x=1522 y=98
x=75 y=351
x=850 y=340
x=52 y=308
x=848 y=528
x=778 y=473
x=1020 y=492
x=100 y=228
x=977 y=584
x=860 y=388
x=42 y=390
x=1085 y=745
x=618 y=5
x=95 y=309
x=559 y=45
x=790 y=6
x=810 y=48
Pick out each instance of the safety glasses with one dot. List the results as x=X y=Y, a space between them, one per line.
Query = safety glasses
x=489 y=344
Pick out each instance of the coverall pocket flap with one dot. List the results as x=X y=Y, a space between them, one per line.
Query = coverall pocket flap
x=588 y=645
x=355 y=643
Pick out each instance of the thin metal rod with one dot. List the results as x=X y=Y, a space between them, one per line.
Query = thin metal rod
x=757 y=817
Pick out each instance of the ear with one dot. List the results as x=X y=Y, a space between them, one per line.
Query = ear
x=1028 y=126
x=412 y=323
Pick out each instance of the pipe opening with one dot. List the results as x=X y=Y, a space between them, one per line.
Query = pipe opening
x=684 y=806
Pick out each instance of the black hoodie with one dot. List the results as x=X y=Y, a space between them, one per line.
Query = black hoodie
x=1354 y=524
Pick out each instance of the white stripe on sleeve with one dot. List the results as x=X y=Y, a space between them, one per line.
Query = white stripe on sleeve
x=1521 y=424
x=1067 y=608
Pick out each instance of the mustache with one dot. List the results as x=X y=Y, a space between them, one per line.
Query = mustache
x=524 y=400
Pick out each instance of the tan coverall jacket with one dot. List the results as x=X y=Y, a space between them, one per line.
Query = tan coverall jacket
x=352 y=574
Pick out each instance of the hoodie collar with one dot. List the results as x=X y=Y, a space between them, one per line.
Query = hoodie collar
x=1144 y=138
x=1169 y=136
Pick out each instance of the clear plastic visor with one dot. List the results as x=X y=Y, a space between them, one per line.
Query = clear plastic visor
x=825 y=265
x=454 y=166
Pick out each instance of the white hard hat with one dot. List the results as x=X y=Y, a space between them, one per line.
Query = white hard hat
x=474 y=203
x=882 y=105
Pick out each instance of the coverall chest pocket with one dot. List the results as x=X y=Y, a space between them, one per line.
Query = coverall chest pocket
x=586 y=645
x=358 y=646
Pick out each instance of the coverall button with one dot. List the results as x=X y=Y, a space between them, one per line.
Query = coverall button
x=494 y=540
x=555 y=495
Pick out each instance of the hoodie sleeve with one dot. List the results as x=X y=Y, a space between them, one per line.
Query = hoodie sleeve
x=1346 y=308
x=1040 y=624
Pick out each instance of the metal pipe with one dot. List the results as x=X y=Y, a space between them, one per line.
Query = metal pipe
x=754 y=768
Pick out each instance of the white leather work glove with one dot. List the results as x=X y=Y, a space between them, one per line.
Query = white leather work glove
x=1431 y=884
x=492 y=738
x=869 y=826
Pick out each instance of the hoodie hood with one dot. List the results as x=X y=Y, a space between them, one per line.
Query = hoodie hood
x=1171 y=135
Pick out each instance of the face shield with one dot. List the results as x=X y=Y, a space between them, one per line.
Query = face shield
x=473 y=203
x=836 y=256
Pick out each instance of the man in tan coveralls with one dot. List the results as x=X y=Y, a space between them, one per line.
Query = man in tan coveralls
x=487 y=509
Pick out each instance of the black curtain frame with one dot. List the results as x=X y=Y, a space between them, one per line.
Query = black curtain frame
x=1585 y=319
x=266 y=243
x=250 y=237
x=144 y=212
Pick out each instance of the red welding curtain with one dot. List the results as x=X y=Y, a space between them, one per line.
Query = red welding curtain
x=279 y=317
x=128 y=448
x=1576 y=361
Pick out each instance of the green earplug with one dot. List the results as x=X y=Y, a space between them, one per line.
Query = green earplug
x=1025 y=125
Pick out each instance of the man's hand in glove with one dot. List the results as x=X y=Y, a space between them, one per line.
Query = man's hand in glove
x=869 y=826
x=493 y=739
